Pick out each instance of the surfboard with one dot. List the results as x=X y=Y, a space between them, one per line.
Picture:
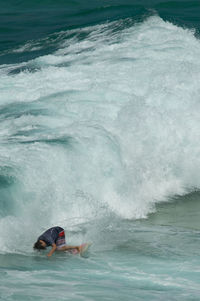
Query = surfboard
x=83 y=249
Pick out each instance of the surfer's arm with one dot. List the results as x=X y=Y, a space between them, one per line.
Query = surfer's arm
x=52 y=250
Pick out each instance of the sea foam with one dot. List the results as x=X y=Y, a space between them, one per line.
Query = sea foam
x=107 y=124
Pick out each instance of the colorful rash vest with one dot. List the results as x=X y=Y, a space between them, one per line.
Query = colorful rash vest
x=54 y=235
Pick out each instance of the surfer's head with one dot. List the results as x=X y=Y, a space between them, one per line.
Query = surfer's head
x=40 y=245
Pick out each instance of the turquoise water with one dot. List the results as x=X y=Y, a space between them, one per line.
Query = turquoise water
x=99 y=119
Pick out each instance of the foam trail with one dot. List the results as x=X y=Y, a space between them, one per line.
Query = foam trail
x=108 y=124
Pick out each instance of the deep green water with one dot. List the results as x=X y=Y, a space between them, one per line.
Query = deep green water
x=99 y=133
x=22 y=21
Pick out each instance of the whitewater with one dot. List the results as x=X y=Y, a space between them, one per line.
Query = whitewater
x=101 y=137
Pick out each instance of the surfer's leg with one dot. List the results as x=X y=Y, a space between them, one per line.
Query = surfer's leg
x=68 y=248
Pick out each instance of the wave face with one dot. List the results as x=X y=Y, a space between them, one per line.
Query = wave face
x=107 y=125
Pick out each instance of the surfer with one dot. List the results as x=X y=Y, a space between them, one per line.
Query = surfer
x=54 y=237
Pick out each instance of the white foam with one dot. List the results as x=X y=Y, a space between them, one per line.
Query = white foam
x=129 y=102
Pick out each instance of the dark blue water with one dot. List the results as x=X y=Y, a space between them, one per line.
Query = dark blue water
x=99 y=133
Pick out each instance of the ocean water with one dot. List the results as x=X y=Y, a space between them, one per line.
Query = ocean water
x=99 y=134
